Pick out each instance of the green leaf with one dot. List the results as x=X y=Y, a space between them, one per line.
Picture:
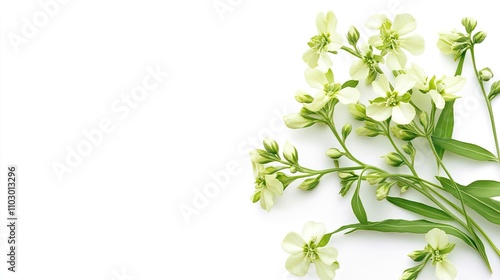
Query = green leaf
x=464 y=149
x=444 y=126
x=325 y=239
x=409 y=226
x=419 y=208
x=484 y=206
x=350 y=83
x=483 y=188
x=357 y=207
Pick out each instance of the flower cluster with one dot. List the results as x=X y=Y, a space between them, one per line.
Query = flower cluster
x=403 y=103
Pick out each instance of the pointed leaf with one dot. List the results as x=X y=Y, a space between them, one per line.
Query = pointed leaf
x=419 y=208
x=464 y=149
x=486 y=207
x=483 y=188
x=350 y=83
x=357 y=207
x=444 y=126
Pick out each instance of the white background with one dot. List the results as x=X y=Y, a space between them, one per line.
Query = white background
x=232 y=75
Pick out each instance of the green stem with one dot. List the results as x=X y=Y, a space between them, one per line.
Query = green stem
x=488 y=102
x=351 y=51
x=459 y=193
x=457 y=208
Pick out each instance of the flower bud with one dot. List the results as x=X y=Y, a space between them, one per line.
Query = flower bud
x=308 y=184
x=358 y=111
x=400 y=132
x=486 y=74
x=271 y=146
x=346 y=130
x=295 y=121
x=346 y=175
x=261 y=156
x=290 y=153
x=494 y=90
x=375 y=178
x=409 y=149
x=364 y=131
x=418 y=255
x=424 y=119
x=303 y=97
x=479 y=37
x=469 y=24
x=383 y=190
x=334 y=153
x=393 y=159
x=353 y=36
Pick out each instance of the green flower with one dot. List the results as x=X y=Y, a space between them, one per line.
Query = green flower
x=394 y=38
x=328 y=90
x=439 y=248
x=267 y=186
x=326 y=41
x=304 y=250
x=392 y=101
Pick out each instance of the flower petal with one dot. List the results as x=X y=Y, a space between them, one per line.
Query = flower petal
x=396 y=60
x=454 y=84
x=403 y=24
x=298 y=264
x=375 y=41
x=348 y=95
x=437 y=99
x=266 y=200
x=321 y=23
x=375 y=21
x=328 y=255
x=324 y=271
x=403 y=83
x=445 y=270
x=319 y=101
x=415 y=44
x=324 y=61
x=315 y=78
x=313 y=230
x=381 y=86
x=378 y=112
x=273 y=184
x=293 y=243
x=331 y=22
x=437 y=239
x=336 y=43
x=403 y=113
x=359 y=70
x=311 y=58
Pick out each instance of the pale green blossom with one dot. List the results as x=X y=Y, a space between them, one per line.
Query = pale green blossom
x=439 y=248
x=267 y=186
x=453 y=43
x=392 y=101
x=304 y=250
x=367 y=67
x=440 y=90
x=394 y=37
x=326 y=41
x=328 y=90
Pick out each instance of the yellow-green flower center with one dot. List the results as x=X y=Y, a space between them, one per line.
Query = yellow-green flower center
x=331 y=89
x=392 y=99
x=320 y=42
x=310 y=250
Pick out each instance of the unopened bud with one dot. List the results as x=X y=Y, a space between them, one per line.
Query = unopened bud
x=308 y=184
x=271 y=146
x=479 y=37
x=486 y=74
x=358 y=111
x=334 y=153
x=353 y=36
x=393 y=159
x=469 y=24
x=303 y=97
